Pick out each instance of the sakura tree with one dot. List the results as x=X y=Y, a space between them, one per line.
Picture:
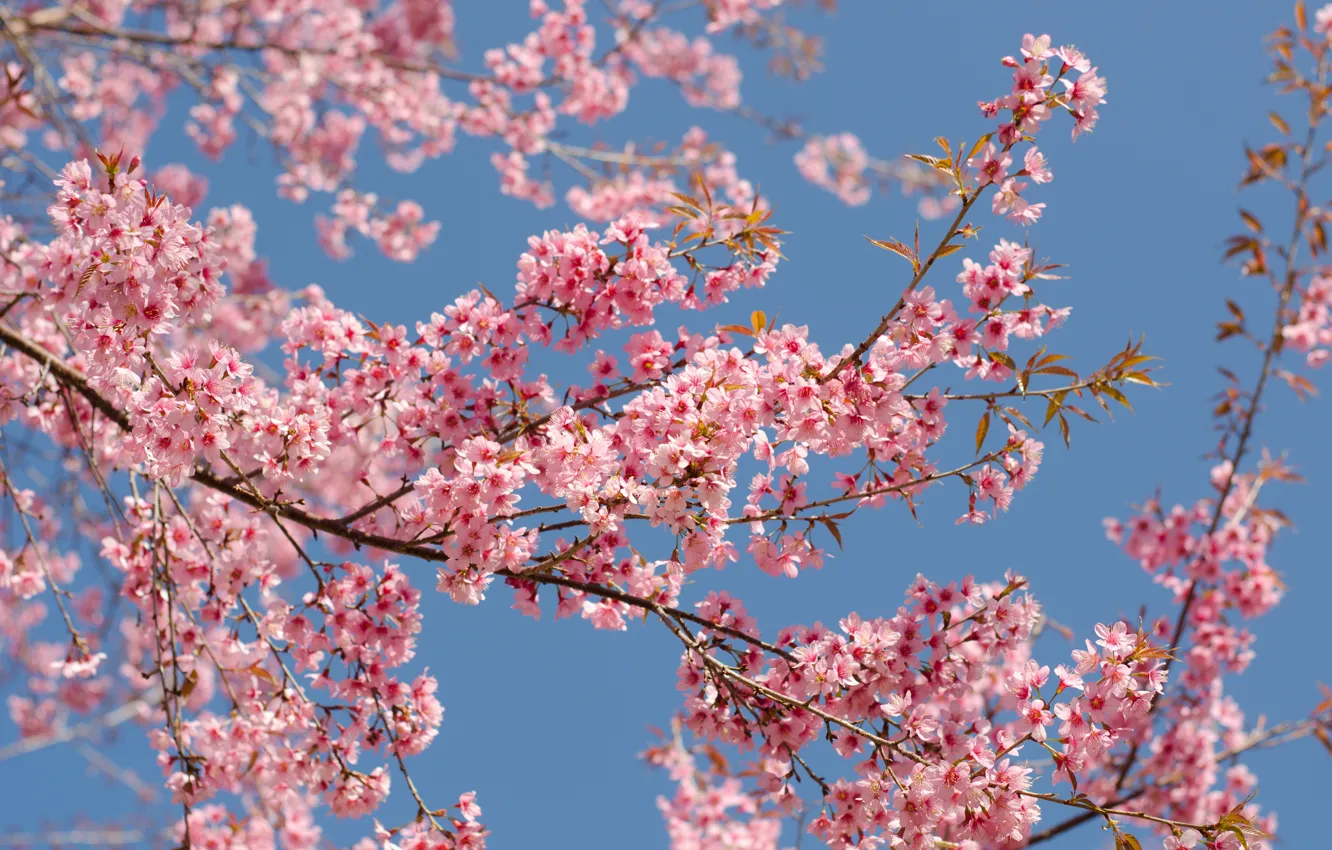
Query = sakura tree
x=225 y=498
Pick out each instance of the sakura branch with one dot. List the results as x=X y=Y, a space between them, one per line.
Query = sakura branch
x=1193 y=547
x=311 y=80
x=268 y=531
x=137 y=273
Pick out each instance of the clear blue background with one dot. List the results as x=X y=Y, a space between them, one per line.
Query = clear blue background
x=544 y=719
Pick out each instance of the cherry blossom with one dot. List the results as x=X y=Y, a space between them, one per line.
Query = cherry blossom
x=263 y=537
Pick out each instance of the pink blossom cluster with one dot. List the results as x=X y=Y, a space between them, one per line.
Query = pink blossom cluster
x=647 y=191
x=1030 y=103
x=620 y=195
x=1223 y=567
x=706 y=79
x=136 y=283
x=1323 y=21
x=318 y=677
x=724 y=14
x=156 y=275
x=1311 y=329
x=909 y=701
x=838 y=164
x=401 y=234
x=61 y=677
x=275 y=684
x=130 y=267
x=352 y=70
x=988 y=288
x=252 y=310
x=710 y=810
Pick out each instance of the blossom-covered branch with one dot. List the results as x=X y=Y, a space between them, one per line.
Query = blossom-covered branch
x=261 y=532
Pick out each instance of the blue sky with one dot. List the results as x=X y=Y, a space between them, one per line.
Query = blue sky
x=544 y=719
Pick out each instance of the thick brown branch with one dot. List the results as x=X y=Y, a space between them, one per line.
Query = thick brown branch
x=77 y=382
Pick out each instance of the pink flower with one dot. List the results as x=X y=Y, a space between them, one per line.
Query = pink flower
x=1087 y=91
x=838 y=164
x=1009 y=201
x=991 y=165
x=82 y=667
x=1185 y=840
x=1036 y=48
x=1034 y=164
